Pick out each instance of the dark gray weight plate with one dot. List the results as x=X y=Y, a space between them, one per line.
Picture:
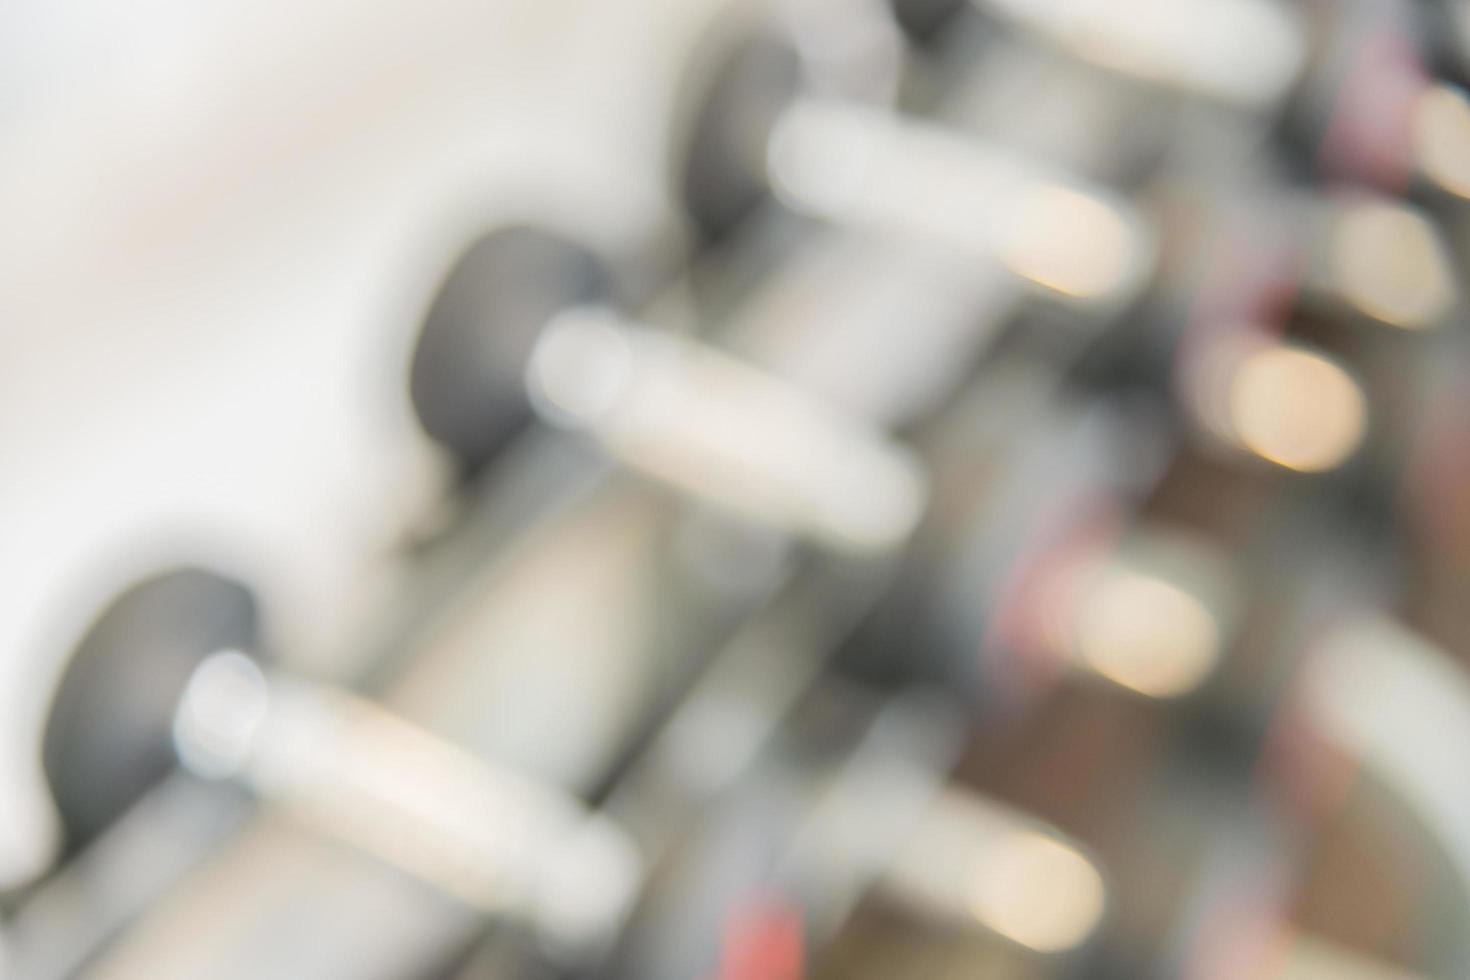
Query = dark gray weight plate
x=722 y=175
x=108 y=736
x=466 y=380
x=924 y=20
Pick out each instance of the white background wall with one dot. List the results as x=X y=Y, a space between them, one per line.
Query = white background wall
x=218 y=223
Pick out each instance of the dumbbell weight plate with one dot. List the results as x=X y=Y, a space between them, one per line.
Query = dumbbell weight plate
x=108 y=735
x=722 y=177
x=466 y=379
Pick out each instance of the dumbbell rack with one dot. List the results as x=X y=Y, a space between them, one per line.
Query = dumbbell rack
x=998 y=547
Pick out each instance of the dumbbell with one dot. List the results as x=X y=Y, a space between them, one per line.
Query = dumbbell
x=1161 y=598
x=1282 y=402
x=1340 y=296
x=748 y=70
x=859 y=166
x=466 y=380
x=292 y=784
x=1241 y=53
x=1030 y=481
x=166 y=680
x=1092 y=555
x=108 y=732
x=1375 y=282
x=516 y=332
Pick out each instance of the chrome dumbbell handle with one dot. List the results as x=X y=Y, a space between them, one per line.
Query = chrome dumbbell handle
x=503 y=843
x=727 y=433
x=866 y=167
x=1241 y=52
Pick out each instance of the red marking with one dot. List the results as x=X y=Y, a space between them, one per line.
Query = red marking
x=763 y=941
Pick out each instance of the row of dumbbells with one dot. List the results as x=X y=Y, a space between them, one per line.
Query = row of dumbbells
x=1050 y=423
